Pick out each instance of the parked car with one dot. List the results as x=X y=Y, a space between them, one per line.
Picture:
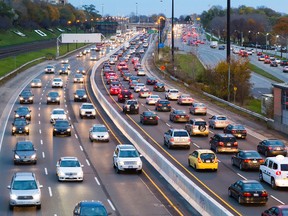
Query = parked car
x=272 y=147
x=203 y=159
x=149 y=117
x=237 y=130
x=198 y=108
x=197 y=127
x=99 y=132
x=247 y=159
x=163 y=105
x=223 y=143
x=177 y=137
x=248 y=191
x=179 y=116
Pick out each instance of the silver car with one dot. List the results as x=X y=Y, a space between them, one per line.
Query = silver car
x=24 y=190
x=99 y=132
x=87 y=110
x=177 y=137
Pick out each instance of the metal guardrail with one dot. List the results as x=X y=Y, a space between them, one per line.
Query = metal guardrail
x=198 y=198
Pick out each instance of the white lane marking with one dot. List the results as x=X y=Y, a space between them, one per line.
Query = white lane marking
x=41 y=142
x=69 y=118
x=40 y=131
x=87 y=162
x=39 y=122
x=39 y=108
x=168 y=125
x=65 y=100
x=38 y=114
x=81 y=148
x=97 y=181
x=67 y=112
x=64 y=96
x=43 y=154
x=55 y=215
x=39 y=103
x=42 y=94
x=72 y=126
x=278 y=200
x=196 y=145
x=44 y=90
x=46 y=171
x=41 y=98
x=76 y=136
x=65 y=105
x=50 y=191
x=110 y=203
x=241 y=176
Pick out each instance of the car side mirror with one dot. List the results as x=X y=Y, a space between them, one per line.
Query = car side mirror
x=13 y=124
x=9 y=187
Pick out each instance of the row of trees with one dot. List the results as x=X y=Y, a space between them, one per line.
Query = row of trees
x=248 y=24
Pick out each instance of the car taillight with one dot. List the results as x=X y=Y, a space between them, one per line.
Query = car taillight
x=235 y=143
x=221 y=144
x=187 y=117
x=177 y=116
x=120 y=96
x=278 y=173
x=246 y=161
x=264 y=194
x=145 y=118
x=159 y=104
x=131 y=96
x=246 y=194
x=199 y=160
x=233 y=131
x=172 y=139
x=157 y=117
x=270 y=148
x=261 y=161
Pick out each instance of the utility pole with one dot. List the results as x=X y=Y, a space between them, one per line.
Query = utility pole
x=228 y=52
x=172 y=37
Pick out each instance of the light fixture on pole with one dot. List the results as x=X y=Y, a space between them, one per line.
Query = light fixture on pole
x=172 y=37
x=266 y=40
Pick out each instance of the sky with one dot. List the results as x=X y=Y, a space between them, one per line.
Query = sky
x=181 y=7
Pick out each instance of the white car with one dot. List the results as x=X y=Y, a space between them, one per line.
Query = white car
x=139 y=86
x=126 y=157
x=57 y=83
x=64 y=61
x=69 y=169
x=172 y=94
x=87 y=110
x=98 y=132
x=145 y=45
x=141 y=72
x=152 y=99
x=49 y=69
x=58 y=113
x=93 y=57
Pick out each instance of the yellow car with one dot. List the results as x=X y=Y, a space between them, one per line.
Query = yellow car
x=203 y=159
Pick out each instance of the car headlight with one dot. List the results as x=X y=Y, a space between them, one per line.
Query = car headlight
x=21 y=98
x=68 y=129
x=57 y=98
x=16 y=115
x=121 y=163
x=49 y=98
x=13 y=196
x=80 y=173
x=26 y=128
x=82 y=112
x=13 y=128
x=28 y=115
x=76 y=96
x=55 y=129
x=139 y=163
x=85 y=96
x=33 y=156
x=30 y=98
x=93 y=112
x=36 y=196
x=61 y=173
x=16 y=156
x=32 y=84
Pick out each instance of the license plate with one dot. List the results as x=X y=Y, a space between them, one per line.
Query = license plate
x=130 y=166
x=20 y=131
x=277 y=148
x=256 y=195
x=208 y=161
x=228 y=144
x=88 y=115
x=239 y=135
x=182 y=116
x=26 y=100
x=151 y=118
x=62 y=132
x=254 y=161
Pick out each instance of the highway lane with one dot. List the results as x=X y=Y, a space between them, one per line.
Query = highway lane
x=226 y=174
x=129 y=194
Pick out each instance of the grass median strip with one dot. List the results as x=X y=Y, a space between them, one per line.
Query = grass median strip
x=263 y=73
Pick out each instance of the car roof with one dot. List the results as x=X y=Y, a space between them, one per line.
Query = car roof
x=225 y=135
x=24 y=176
x=204 y=151
x=198 y=119
x=126 y=147
x=249 y=181
x=90 y=203
x=56 y=109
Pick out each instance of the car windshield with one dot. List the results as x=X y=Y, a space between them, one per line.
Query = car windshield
x=99 y=129
x=180 y=134
x=252 y=186
x=80 y=92
x=164 y=102
x=284 y=167
x=50 y=66
x=251 y=154
x=69 y=163
x=149 y=114
x=93 y=211
x=24 y=147
x=207 y=156
x=131 y=102
x=154 y=96
x=26 y=93
x=228 y=139
x=58 y=112
x=57 y=80
x=36 y=81
x=62 y=123
x=130 y=153
x=160 y=84
x=222 y=118
x=180 y=112
x=24 y=185
x=200 y=123
x=22 y=109
x=275 y=142
x=53 y=94
x=78 y=76
x=239 y=127
x=87 y=106
x=20 y=122
x=174 y=91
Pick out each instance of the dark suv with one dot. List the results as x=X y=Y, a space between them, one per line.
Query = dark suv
x=26 y=96
x=131 y=106
x=163 y=105
x=62 y=127
x=223 y=143
x=125 y=95
x=90 y=208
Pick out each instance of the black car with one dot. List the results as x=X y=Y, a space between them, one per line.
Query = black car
x=20 y=126
x=151 y=81
x=62 y=127
x=85 y=208
x=236 y=130
x=223 y=143
x=179 y=116
x=248 y=191
x=159 y=87
x=163 y=105
x=131 y=106
x=80 y=95
x=148 y=117
x=23 y=112
x=63 y=70
x=284 y=63
x=273 y=64
x=53 y=97
x=125 y=94
x=247 y=159
x=25 y=152
x=26 y=96
x=272 y=147
x=81 y=70
x=221 y=47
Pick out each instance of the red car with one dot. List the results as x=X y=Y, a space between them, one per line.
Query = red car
x=110 y=75
x=115 y=90
x=122 y=65
x=280 y=210
x=259 y=53
x=267 y=61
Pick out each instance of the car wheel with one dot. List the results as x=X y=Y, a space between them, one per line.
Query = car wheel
x=195 y=167
x=239 y=200
x=69 y=134
x=91 y=140
x=229 y=193
x=81 y=117
x=273 y=183
x=27 y=133
x=168 y=145
x=117 y=170
x=139 y=171
x=189 y=163
x=38 y=206
x=260 y=176
x=35 y=162
x=11 y=207
x=58 y=103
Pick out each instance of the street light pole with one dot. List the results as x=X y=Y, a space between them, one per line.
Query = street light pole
x=172 y=36
x=266 y=40
x=136 y=12
x=228 y=51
